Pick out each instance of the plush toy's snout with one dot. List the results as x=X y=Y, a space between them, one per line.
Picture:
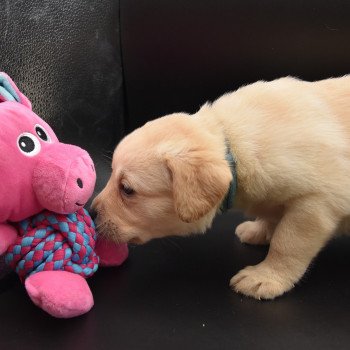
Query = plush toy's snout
x=64 y=178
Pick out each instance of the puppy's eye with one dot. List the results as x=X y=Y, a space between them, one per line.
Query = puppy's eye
x=127 y=190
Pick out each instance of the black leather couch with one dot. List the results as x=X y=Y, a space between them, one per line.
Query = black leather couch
x=95 y=70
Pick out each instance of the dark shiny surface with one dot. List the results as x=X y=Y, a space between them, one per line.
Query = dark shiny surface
x=172 y=293
x=179 y=54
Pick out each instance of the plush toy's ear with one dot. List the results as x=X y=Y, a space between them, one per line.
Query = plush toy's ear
x=10 y=92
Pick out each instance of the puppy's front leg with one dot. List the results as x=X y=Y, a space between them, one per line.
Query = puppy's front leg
x=304 y=229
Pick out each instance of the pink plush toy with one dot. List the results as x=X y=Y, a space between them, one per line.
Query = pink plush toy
x=38 y=172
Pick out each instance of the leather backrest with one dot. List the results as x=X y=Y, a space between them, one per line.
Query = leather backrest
x=65 y=56
x=179 y=54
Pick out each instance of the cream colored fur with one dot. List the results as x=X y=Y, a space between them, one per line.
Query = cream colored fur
x=291 y=141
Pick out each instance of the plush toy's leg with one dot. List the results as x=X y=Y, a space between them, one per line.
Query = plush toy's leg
x=8 y=235
x=61 y=294
x=110 y=253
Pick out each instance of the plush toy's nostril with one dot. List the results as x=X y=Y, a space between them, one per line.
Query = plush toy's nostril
x=80 y=182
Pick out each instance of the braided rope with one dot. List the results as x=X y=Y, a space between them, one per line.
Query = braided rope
x=50 y=241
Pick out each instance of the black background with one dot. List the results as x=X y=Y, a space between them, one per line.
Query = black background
x=96 y=70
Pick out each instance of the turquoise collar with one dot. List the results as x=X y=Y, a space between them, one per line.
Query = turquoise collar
x=227 y=203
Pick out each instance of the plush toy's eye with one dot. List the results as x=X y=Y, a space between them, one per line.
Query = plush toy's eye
x=28 y=144
x=40 y=131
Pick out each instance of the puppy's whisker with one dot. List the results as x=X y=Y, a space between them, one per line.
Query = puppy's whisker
x=105 y=151
x=107 y=157
x=116 y=239
x=172 y=243
x=110 y=231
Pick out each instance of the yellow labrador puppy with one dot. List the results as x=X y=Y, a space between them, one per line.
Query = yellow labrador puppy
x=289 y=145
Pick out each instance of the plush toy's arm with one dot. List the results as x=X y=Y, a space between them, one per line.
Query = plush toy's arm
x=111 y=254
x=8 y=235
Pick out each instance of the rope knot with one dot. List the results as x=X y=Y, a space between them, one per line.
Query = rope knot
x=50 y=241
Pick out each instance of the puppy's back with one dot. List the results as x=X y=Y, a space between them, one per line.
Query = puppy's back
x=286 y=130
x=336 y=92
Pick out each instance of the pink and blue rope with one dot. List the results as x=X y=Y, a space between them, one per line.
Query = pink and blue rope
x=50 y=241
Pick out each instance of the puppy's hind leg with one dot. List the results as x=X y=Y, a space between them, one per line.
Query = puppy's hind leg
x=256 y=232
x=308 y=223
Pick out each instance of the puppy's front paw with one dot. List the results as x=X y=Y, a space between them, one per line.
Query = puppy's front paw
x=252 y=232
x=260 y=282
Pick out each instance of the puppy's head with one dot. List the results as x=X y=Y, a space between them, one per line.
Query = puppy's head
x=168 y=178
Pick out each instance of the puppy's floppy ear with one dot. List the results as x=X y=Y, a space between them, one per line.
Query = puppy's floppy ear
x=200 y=180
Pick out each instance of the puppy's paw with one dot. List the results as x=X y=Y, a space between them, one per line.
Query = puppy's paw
x=260 y=282
x=252 y=232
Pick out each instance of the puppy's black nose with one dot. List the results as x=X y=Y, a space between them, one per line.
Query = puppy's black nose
x=93 y=213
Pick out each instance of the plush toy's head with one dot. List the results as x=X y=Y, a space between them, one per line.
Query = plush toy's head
x=36 y=170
